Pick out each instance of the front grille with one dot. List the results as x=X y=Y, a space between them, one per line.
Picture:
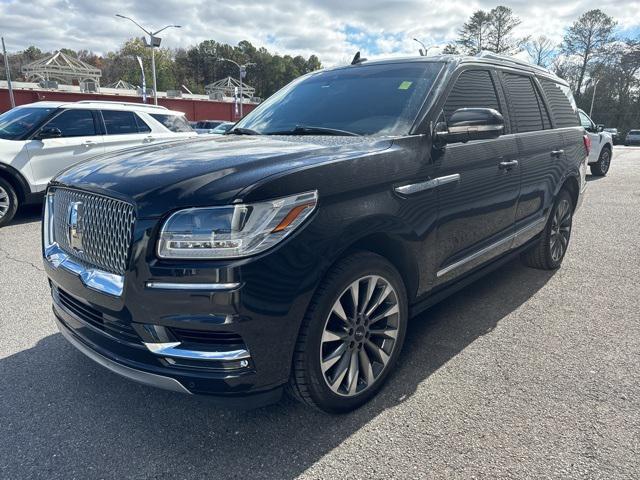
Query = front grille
x=95 y=318
x=205 y=337
x=107 y=229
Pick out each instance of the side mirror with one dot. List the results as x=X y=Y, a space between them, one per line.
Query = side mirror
x=467 y=124
x=600 y=128
x=49 y=132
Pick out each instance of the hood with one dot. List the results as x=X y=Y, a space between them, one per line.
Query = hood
x=209 y=171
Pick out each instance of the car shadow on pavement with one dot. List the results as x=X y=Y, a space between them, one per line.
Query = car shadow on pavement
x=63 y=416
x=27 y=214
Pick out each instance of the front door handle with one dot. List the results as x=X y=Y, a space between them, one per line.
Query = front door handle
x=88 y=143
x=508 y=165
x=149 y=139
x=557 y=153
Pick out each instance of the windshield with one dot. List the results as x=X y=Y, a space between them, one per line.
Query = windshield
x=19 y=121
x=634 y=132
x=363 y=99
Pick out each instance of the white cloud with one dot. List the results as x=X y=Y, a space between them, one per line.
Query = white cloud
x=332 y=29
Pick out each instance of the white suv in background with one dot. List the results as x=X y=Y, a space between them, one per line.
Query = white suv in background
x=601 y=146
x=39 y=140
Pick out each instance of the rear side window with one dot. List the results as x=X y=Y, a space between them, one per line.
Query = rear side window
x=120 y=122
x=175 y=123
x=473 y=89
x=546 y=120
x=563 y=106
x=525 y=108
x=74 y=123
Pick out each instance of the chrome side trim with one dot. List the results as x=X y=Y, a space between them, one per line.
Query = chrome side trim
x=216 y=287
x=170 y=349
x=139 y=376
x=429 y=184
x=487 y=249
x=104 y=282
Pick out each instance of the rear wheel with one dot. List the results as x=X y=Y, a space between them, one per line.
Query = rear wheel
x=8 y=202
x=550 y=250
x=601 y=167
x=351 y=335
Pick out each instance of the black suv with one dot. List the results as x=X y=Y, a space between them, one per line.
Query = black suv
x=292 y=251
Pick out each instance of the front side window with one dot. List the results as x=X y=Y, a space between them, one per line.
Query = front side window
x=525 y=107
x=473 y=89
x=74 y=123
x=121 y=122
x=585 y=121
x=377 y=99
x=16 y=123
x=175 y=123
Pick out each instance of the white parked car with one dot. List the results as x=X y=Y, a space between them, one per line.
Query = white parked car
x=601 y=146
x=39 y=140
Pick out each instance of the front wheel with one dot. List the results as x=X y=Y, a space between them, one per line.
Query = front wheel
x=8 y=202
x=550 y=250
x=351 y=335
x=601 y=167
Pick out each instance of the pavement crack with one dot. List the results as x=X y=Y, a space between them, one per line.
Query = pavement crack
x=8 y=256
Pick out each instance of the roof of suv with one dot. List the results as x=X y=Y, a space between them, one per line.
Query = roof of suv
x=106 y=105
x=489 y=58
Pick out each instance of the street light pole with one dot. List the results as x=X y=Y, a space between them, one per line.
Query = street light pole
x=243 y=70
x=593 y=97
x=153 y=43
x=426 y=49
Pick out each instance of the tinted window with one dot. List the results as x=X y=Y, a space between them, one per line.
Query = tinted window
x=142 y=126
x=473 y=89
x=525 y=109
x=119 y=122
x=175 y=123
x=74 y=123
x=363 y=99
x=563 y=106
x=20 y=121
x=546 y=119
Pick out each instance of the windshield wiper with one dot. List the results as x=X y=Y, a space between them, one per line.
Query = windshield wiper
x=242 y=131
x=310 y=130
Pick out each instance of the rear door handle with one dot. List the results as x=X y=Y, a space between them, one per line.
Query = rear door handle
x=557 y=153
x=88 y=143
x=149 y=139
x=508 y=165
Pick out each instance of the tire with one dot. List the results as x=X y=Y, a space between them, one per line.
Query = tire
x=333 y=346
x=545 y=254
x=601 y=167
x=8 y=202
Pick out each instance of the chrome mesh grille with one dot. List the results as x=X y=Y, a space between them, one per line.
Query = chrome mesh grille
x=107 y=226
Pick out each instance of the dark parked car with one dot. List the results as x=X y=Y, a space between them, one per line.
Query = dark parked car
x=292 y=251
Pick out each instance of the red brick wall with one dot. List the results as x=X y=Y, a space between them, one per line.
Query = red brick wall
x=195 y=109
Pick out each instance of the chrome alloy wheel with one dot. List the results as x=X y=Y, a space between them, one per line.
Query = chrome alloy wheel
x=560 y=230
x=605 y=160
x=4 y=202
x=360 y=335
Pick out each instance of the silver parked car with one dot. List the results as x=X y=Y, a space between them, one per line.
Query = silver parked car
x=632 y=138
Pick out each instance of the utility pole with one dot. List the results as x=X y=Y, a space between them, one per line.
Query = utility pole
x=6 y=67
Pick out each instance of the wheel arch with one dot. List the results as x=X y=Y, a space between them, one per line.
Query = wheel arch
x=392 y=249
x=572 y=186
x=16 y=180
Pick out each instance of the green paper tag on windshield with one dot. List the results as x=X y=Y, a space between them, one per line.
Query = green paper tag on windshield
x=405 y=85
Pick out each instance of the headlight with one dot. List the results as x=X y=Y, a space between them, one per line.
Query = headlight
x=235 y=230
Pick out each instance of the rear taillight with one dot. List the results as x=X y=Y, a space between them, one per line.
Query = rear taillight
x=587 y=143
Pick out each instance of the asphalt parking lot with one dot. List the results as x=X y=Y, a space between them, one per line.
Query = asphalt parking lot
x=525 y=374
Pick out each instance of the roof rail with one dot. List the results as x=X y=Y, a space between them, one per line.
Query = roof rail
x=505 y=58
x=126 y=104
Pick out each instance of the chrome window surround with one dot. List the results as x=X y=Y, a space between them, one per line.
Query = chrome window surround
x=93 y=278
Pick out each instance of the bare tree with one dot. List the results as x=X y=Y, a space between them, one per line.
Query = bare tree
x=450 y=49
x=586 y=39
x=541 y=50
